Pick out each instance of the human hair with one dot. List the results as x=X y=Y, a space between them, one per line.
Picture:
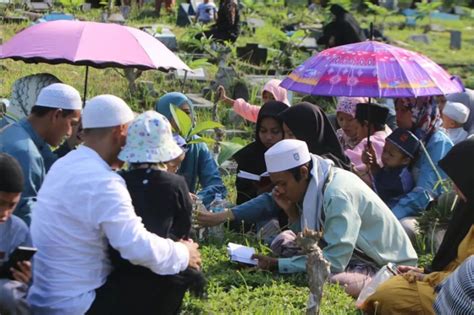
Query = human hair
x=375 y=126
x=41 y=111
x=296 y=171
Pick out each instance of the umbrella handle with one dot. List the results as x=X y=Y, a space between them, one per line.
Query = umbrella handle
x=86 y=79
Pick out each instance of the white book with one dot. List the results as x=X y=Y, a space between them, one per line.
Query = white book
x=250 y=176
x=241 y=253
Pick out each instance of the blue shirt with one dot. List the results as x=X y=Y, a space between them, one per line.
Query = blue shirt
x=199 y=166
x=13 y=233
x=22 y=142
x=392 y=183
x=425 y=190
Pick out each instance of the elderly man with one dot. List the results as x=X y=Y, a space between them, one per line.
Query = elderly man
x=83 y=206
x=361 y=234
x=57 y=111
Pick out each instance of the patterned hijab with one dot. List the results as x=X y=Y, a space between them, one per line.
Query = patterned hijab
x=425 y=116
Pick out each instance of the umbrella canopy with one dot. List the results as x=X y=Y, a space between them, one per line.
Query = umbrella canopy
x=370 y=69
x=99 y=45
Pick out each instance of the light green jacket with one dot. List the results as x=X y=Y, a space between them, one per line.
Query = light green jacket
x=354 y=216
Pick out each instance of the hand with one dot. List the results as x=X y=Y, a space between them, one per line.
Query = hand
x=288 y=206
x=193 y=197
x=266 y=262
x=221 y=93
x=405 y=269
x=368 y=156
x=413 y=276
x=207 y=219
x=194 y=254
x=23 y=272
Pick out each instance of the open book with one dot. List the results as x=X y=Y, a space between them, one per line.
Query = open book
x=241 y=253
x=250 y=176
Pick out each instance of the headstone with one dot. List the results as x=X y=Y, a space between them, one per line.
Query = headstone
x=39 y=6
x=252 y=53
x=309 y=43
x=167 y=38
x=15 y=19
x=57 y=16
x=116 y=18
x=241 y=91
x=422 y=38
x=444 y=16
x=437 y=28
x=225 y=76
x=86 y=7
x=198 y=74
x=410 y=21
x=455 y=40
x=125 y=11
x=255 y=22
x=183 y=18
x=199 y=101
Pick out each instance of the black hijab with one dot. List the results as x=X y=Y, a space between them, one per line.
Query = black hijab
x=251 y=158
x=309 y=124
x=457 y=165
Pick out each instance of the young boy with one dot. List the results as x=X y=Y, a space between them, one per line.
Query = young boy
x=13 y=233
x=454 y=116
x=393 y=180
x=206 y=12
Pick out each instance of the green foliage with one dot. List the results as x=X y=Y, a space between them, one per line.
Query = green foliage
x=425 y=8
x=228 y=149
x=72 y=6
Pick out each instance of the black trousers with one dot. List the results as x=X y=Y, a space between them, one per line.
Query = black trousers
x=140 y=293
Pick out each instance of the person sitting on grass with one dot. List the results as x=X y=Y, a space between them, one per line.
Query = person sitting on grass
x=345 y=116
x=227 y=27
x=454 y=117
x=13 y=233
x=394 y=179
x=414 y=291
x=369 y=118
x=272 y=91
x=162 y=200
x=198 y=166
x=361 y=234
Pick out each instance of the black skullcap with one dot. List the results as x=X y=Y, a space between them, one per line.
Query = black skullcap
x=11 y=175
x=377 y=114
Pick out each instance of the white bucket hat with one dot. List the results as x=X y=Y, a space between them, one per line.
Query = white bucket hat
x=150 y=140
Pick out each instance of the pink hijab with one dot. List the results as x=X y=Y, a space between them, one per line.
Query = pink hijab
x=280 y=94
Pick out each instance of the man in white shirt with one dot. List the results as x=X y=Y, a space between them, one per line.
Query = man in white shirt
x=82 y=207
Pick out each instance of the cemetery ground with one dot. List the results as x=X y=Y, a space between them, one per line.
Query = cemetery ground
x=233 y=289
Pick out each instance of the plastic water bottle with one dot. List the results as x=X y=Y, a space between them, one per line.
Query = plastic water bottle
x=217 y=205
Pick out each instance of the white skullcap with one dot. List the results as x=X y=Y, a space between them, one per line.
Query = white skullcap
x=456 y=111
x=59 y=95
x=106 y=111
x=286 y=154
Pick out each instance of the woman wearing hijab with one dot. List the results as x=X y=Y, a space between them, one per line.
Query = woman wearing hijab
x=304 y=122
x=251 y=159
x=227 y=27
x=198 y=165
x=414 y=291
x=343 y=29
x=272 y=91
x=307 y=122
x=421 y=116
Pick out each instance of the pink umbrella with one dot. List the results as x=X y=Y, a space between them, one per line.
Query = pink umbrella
x=98 y=45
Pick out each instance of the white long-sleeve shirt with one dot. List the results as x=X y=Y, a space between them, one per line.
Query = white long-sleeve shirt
x=82 y=207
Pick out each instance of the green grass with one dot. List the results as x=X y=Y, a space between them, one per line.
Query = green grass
x=233 y=289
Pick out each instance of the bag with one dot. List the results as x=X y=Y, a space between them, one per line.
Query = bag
x=385 y=273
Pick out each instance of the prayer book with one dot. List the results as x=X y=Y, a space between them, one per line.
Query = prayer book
x=250 y=176
x=241 y=253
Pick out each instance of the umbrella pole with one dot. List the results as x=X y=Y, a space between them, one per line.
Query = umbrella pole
x=85 y=86
x=368 y=123
x=184 y=80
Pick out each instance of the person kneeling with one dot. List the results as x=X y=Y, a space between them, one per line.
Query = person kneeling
x=361 y=234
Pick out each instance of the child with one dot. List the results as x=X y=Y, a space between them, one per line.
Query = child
x=393 y=179
x=454 y=116
x=345 y=115
x=206 y=12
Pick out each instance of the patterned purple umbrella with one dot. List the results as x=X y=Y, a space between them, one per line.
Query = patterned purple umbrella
x=370 y=69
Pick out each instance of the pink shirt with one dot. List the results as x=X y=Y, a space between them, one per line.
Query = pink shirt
x=378 y=142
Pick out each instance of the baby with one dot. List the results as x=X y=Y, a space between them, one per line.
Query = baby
x=394 y=179
x=454 y=116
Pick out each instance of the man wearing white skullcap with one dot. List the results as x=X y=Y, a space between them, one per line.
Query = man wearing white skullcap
x=454 y=117
x=361 y=234
x=57 y=111
x=83 y=208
